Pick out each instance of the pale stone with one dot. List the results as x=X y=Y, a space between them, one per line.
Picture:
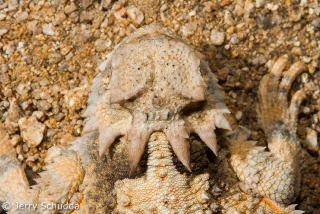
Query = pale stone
x=31 y=131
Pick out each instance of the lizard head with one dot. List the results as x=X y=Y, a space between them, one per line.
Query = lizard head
x=155 y=82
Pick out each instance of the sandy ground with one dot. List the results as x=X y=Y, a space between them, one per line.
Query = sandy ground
x=50 y=51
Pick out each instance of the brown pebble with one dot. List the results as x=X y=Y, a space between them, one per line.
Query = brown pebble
x=111 y=20
x=123 y=12
x=223 y=73
x=296 y=51
x=225 y=3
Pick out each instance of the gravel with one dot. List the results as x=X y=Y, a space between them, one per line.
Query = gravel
x=50 y=51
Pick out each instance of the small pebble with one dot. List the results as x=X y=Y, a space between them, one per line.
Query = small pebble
x=239 y=115
x=296 y=51
x=70 y=8
x=135 y=14
x=189 y=29
x=312 y=140
x=47 y=29
x=3 y=31
x=306 y=59
x=86 y=16
x=316 y=22
x=272 y=7
x=2 y=16
x=54 y=58
x=25 y=148
x=22 y=16
x=217 y=38
x=31 y=131
x=260 y=3
x=102 y=44
x=23 y=88
x=106 y=3
x=192 y=13
x=31 y=159
x=234 y=40
x=15 y=139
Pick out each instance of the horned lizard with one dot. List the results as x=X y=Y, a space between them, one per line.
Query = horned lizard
x=162 y=189
x=155 y=89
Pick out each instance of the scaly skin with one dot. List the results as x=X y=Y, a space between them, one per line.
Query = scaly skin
x=273 y=174
x=153 y=84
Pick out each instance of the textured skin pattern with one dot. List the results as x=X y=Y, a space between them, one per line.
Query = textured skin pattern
x=273 y=174
x=58 y=184
x=162 y=189
x=237 y=201
x=183 y=99
x=154 y=82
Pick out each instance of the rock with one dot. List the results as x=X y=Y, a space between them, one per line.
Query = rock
x=9 y=48
x=272 y=7
x=306 y=59
x=239 y=115
x=105 y=4
x=22 y=16
x=19 y=150
x=259 y=60
x=296 y=51
x=217 y=37
x=294 y=15
x=23 y=89
x=122 y=12
x=39 y=115
x=43 y=105
x=74 y=17
x=102 y=44
x=70 y=8
x=234 y=40
x=260 y=3
x=59 y=18
x=85 y=3
x=225 y=3
x=25 y=148
x=32 y=25
x=15 y=139
x=5 y=79
x=228 y=19
x=306 y=110
x=54 y=58
x=14 y=112
x=31 y=131
x=65 y=50
x=316 y=22
x=192 y=13
x=86 y=36
x=31 y=159
x=305 y=78
x=2 y=16
x=3 y=31
x=116 y=6
x=135 y=14
x=312 y=140
x=4 y=68
x=189 y=29
x=47 y=29
x=223 y=73
x=74 y=98
x=86 y=16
